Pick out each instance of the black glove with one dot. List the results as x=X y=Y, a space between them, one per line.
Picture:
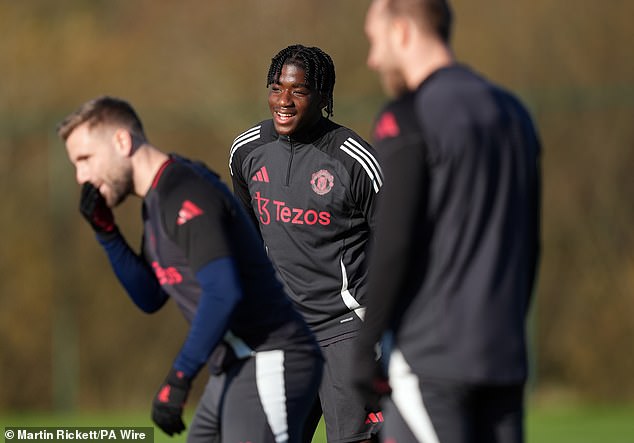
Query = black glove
x=93 y=207
x=167 y=407
x=371 y=382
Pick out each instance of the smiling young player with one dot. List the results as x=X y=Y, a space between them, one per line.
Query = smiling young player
x=311 y=186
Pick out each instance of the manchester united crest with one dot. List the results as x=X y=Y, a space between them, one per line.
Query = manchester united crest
x=322 y=182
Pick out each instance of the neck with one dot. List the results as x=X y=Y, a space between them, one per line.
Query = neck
x=308 y=134
x=146 y=162
x=437 y=55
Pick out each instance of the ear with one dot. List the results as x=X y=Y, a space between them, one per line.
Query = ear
x=123 y=142
x=401 y=31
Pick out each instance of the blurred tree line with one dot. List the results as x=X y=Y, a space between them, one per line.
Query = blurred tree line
x=196 y=72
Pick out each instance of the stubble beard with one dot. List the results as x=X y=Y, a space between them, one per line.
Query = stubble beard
x=121 y=187
x=393 y=82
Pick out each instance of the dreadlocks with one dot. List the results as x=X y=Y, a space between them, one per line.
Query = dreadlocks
x=318 y=67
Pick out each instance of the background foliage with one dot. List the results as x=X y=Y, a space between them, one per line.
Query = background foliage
x=196 y=72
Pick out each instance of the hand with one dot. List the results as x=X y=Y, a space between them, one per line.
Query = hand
x=167 y=407
x=371 y=383
x=94 y=209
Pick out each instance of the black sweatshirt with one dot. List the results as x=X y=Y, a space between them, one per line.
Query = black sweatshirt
x=313 y=197
x=457 y=241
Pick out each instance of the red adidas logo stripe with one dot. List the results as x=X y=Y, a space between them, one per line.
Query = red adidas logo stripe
x=261 y=176
x=164 y=394
x=386 y=127
x=374 y=418
x=188 y=211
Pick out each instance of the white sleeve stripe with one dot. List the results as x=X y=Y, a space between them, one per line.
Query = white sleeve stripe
x=368 y=158
x=247 y=133
x=364 y=165
x=243 y=141
x=366 y=154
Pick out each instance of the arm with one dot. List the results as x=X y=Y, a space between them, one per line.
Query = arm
x=241 y=189
x=399 y=214
x=131 y=270
x=133 y=273
x=400 y=208
x=221 y=292
x=203 y=240
x=368 y=181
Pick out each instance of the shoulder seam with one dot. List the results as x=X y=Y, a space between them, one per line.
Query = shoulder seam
x=366 y=159
x=247 y=136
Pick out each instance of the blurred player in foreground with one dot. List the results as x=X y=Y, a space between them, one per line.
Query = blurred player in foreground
x=457 y=242
x=310 y=185
x=200 y=249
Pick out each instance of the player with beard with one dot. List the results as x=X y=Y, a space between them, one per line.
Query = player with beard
x=200 y=249
x=457 y=243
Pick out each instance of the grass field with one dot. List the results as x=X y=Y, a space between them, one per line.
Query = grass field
x=581 y=424
x=569 y=424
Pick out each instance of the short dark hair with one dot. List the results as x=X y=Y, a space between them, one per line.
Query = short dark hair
x=434 y=15
x=318 y=67
x=100 y=110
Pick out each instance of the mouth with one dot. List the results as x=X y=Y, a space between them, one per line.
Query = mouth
x=284 y=117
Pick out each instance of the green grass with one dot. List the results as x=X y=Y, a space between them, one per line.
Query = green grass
x=552 y=424
x=581 y=424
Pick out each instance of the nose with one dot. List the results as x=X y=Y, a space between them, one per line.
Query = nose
x=285 y=98
x=81 y=174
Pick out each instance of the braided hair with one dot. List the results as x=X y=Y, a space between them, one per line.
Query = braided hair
x=318 y=67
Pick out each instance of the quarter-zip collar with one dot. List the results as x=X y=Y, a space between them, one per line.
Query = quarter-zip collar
x=301 y=138
x=305 y=137
x=309 y=135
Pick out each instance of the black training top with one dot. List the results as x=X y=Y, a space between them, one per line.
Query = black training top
x=208 y=257
x=313 y=197
x=457 y=243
